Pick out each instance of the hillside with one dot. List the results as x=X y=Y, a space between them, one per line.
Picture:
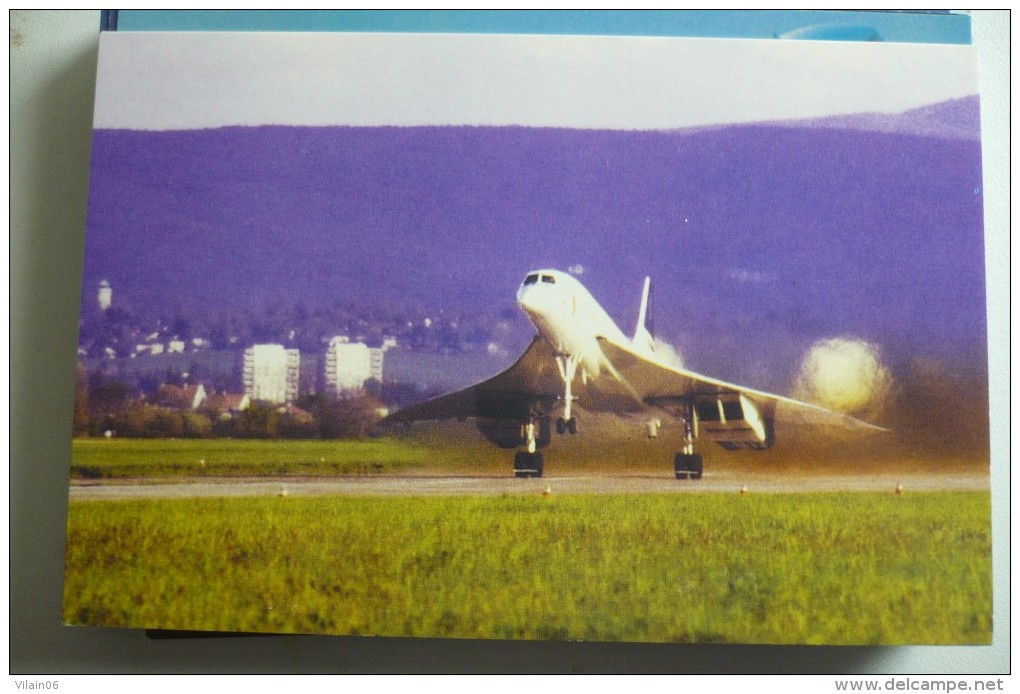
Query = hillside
x=759 y=238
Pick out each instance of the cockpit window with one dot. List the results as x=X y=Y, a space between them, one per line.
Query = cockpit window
x=537 y=277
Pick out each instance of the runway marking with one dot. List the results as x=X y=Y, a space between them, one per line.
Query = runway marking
x=393 y=485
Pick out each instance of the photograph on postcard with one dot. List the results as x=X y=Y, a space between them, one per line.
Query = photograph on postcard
x=533 y=337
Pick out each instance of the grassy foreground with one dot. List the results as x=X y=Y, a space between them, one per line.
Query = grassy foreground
x=770 y=568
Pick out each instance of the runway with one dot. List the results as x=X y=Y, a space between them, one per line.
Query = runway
x=411 y=485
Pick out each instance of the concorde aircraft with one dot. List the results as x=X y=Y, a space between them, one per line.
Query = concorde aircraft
x=580 y=357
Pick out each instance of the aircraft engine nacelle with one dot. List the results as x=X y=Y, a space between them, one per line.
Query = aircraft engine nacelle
x=733 y=421
x=509 y=433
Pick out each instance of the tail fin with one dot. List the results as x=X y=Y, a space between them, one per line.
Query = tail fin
x=643 y=339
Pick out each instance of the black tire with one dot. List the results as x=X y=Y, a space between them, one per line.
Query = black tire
x=561 y=426
x=697 y=466
x=680 y=465
x=572 y=425
x=688 y=466
x=527 y=464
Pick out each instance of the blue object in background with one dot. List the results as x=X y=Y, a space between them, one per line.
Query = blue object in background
x=833 y=32
x=826 y=25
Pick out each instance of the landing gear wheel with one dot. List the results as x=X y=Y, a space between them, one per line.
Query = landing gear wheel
x=572 y=425
x=561 y=426
x=697 y=466
x=688 y=465
x=522 y=464
x=528 y=464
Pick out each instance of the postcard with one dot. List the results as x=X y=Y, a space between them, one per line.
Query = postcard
x=626 y=339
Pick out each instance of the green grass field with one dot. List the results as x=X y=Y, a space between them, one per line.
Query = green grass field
x=842 y=568
x=128 y=458
x=457 y=449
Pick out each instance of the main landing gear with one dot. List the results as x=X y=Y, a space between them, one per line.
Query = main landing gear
x=688 y=464
x=529 y=463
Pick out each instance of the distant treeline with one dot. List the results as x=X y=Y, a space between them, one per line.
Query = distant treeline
x=405 y=372
x=107 y=409
x=120 y=332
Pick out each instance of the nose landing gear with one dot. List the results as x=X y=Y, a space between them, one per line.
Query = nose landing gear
x=567 y=365
x=529 y=463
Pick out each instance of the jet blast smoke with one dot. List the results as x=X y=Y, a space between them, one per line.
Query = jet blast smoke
x=668 y=354
x=845 y=375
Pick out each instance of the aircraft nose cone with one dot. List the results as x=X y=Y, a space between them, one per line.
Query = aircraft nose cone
x=532 y=299
x=524 y=297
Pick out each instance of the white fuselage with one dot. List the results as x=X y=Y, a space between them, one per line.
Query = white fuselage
x=568 y=316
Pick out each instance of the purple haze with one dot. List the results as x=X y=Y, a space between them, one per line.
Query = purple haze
x=759 y=238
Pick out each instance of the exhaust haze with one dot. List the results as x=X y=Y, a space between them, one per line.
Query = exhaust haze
x=845 y=375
